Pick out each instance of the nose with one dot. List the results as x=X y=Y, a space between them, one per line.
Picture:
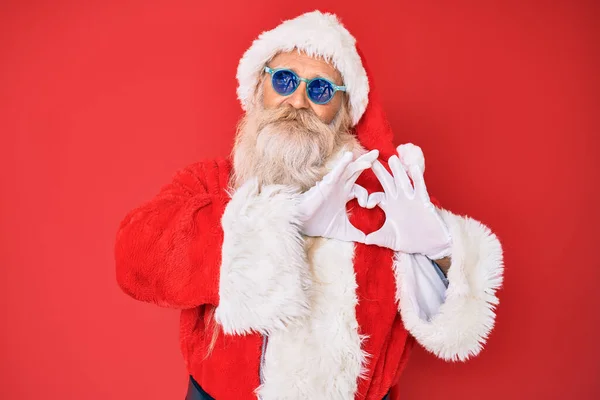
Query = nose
x=298 y=99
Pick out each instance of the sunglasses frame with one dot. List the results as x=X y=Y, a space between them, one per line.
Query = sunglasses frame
x=335 y=87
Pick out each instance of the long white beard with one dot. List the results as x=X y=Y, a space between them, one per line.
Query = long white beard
x=288 y=146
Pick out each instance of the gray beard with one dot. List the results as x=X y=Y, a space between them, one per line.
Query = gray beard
x=287 y=147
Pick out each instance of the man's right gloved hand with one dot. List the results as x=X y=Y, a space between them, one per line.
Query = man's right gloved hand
x=323 y=207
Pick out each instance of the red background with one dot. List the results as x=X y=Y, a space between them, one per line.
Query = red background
x=100 y=102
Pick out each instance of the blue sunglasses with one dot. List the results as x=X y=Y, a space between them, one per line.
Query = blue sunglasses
x=319 y=90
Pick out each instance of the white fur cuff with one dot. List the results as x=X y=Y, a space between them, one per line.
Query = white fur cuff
x=460 y=328
x=264 y=273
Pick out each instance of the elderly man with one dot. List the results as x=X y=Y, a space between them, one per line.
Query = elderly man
x=304 y=267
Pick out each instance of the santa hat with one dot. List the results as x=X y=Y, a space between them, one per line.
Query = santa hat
x=323 y=35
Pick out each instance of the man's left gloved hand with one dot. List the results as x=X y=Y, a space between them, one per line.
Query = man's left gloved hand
x=412 y=223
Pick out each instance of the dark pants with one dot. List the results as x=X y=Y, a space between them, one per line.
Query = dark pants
x=195 y=392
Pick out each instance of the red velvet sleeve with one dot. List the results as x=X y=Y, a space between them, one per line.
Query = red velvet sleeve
x=168 y=251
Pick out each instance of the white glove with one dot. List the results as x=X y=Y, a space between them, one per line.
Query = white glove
x=323 y=207
x=412 y=224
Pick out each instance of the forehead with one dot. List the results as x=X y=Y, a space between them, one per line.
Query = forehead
x=306 y=66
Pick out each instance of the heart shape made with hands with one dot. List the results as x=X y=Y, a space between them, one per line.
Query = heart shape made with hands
x=324 y=206
x=411 y=225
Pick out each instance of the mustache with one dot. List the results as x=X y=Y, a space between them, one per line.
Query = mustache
x=288 y=115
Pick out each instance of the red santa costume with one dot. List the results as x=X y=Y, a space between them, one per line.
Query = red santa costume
x=340 y=317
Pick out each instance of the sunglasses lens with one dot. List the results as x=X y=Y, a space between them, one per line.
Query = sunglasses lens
x=284 y=82
x=320 y=91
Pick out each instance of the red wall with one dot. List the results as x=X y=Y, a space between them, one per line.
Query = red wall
x=100 y=102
